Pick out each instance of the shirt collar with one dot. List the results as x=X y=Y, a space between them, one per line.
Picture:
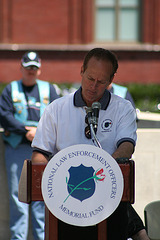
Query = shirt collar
x=79 y=102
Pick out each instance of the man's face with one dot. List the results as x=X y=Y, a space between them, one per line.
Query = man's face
x=95 y=79
x=29 y=75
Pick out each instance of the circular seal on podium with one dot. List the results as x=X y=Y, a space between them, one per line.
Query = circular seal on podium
x=82 y=185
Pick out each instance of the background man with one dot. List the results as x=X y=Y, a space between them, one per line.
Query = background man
x=21 y=106
x=121 y=91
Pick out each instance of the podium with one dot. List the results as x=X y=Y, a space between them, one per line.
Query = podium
x=30 y=190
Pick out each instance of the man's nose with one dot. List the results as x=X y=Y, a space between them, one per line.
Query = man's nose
x=94 y=84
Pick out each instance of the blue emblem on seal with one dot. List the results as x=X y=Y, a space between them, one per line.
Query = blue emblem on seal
x=81 y=184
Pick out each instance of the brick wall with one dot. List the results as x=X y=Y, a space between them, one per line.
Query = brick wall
x=47 y=22
x=64 y=66
x=62 y=31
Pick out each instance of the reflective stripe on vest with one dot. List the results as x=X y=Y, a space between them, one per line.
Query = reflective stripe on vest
x=119 y=90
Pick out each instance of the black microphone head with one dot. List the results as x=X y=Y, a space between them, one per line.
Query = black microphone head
x=88 y=110
x=96 y=105
x=89 y=114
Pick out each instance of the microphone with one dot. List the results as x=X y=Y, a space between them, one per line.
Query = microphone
x=88 y=121
x=89 y=115
x=96 y=106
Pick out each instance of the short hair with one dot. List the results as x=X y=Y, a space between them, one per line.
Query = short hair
x=101 y=54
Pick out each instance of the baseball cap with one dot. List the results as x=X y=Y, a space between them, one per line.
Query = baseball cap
x=31 y=59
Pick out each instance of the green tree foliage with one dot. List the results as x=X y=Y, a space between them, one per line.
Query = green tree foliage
x=146 y=97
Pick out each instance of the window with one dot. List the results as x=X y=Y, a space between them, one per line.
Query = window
x=117 y=20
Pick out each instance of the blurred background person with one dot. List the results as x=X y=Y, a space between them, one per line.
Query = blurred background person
x=21 y=106
x=121 y=91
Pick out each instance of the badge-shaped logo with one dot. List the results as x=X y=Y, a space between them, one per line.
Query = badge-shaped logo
x=81 y=184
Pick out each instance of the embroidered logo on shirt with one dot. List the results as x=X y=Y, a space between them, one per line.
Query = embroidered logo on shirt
x=107 y=125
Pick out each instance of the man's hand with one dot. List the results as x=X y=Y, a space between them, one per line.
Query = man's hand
x=31 y=133
x=141 y=235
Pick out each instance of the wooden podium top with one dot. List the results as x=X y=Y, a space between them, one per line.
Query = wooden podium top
x=31 y=176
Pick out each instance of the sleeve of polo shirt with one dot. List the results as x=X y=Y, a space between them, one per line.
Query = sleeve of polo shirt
x=126 y=125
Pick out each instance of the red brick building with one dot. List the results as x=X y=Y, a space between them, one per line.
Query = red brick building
x=62 y=31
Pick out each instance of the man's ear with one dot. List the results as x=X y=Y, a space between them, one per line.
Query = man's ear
x=82 y=71
x=111 y=79
x=39 y=71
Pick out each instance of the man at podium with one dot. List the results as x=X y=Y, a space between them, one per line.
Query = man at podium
x=65 y=122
